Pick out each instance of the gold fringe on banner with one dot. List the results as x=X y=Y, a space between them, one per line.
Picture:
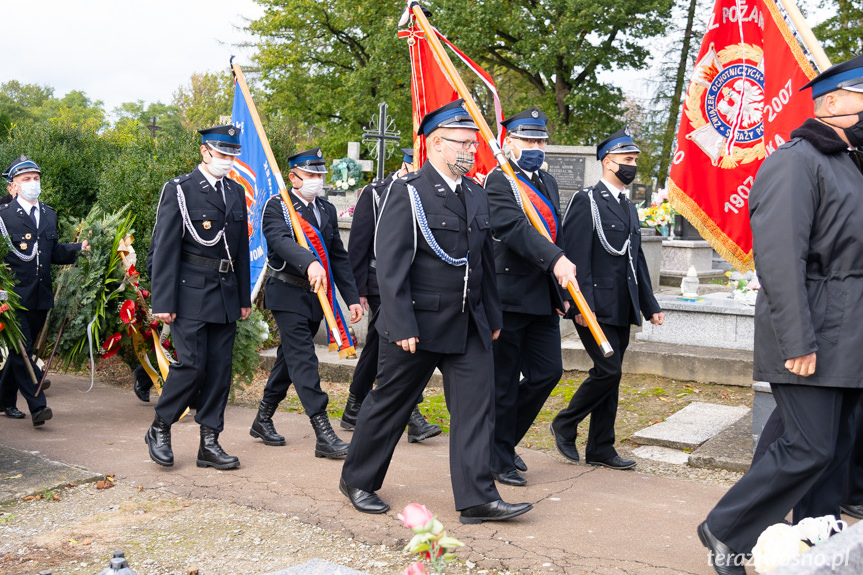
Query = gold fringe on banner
x=708 y=229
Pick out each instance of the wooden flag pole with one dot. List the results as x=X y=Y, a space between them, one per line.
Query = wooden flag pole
x=455 y=79
x=283 y=192
x=806 y=34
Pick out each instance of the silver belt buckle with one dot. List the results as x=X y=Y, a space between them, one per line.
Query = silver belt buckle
x=224 y=266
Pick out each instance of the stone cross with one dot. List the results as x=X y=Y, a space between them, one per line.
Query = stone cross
x=354 y=154
x=381 y=130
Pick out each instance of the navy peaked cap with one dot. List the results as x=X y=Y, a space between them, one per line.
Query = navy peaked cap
x=847 y=75
x=531 y=123
x=620 y=142
x=21 y=165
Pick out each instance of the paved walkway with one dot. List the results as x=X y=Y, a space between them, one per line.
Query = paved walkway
x=586 y=520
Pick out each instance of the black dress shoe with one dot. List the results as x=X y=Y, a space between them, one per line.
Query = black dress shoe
x=41 y=415
x=722 y=558
x=494 y=511
x=46 y=384
x=14 y=413
x=855 y=511
x=365 y=501
x=564 y=446
x=510 y=478
x=519 y=462
x=616 y=462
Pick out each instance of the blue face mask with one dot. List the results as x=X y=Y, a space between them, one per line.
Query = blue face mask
x=531 y=160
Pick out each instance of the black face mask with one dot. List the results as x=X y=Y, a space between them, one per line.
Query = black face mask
x=625 y=173
x=853 y=133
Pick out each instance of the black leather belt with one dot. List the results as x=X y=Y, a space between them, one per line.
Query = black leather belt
x=222 y=266
x=291 y=279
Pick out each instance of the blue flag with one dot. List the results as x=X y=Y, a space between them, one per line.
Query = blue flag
x=253 y=171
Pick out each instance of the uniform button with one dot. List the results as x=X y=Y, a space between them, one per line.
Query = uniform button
x=413 y=302
x=469 y=229
x=443 y=224
x=594 y=285
x=468 y=290
x=612 y=225
x=506 y=269
x=182 y=281
x=541 y=260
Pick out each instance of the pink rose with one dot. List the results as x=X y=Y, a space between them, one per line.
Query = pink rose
x=416 y=516
x=415 y=568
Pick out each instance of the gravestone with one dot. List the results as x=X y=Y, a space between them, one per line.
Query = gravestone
x=574 y=167
x=354 y=154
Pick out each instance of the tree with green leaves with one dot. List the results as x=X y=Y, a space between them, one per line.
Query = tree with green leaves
x=24 y=104
x=327 y=64
x=560 y=48
x=841 y=35
x=166 y=116
x=331 y=61
x=205 y=99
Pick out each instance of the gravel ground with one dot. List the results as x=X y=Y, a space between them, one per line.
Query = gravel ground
x=161 y=533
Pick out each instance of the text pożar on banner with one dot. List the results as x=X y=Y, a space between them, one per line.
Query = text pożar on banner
x=742 y=103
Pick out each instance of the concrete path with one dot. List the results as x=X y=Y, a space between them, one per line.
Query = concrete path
x=586 y=520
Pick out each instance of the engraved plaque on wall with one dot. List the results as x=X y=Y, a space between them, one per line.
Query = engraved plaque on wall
x=569 y=173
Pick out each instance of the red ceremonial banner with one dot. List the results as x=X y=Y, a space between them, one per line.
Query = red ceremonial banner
x=430 y=89
x=742 y=103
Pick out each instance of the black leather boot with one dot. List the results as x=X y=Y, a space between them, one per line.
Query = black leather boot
x=263 y=427
x=328 y=443
x=352 y=411
x=211 y=454
x=158 y=439
x=419 y=428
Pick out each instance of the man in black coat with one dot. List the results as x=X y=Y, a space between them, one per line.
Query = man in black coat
x=295 y=274
x=200 y=284
x=806 y=212
x=362 y=256
x=29 y=228
x=601 y=234
x=530 y=270
x=439 y=308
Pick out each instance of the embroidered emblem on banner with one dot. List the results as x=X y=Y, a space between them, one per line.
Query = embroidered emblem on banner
x=725 y=105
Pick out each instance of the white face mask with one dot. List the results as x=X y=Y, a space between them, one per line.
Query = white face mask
x=312 y=188
x=219 y=168
x=30 y=190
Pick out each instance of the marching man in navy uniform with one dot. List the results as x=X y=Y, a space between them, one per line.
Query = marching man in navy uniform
x=601 y=234
x=29 y=229
x=439 y=308
x=530 y=270
x=362 y=256
x=200 y=286
x=295 y=275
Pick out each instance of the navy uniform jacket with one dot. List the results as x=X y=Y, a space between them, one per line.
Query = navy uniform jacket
x=523 y=258
x=286 y=255
x=607 y=281
x=33 y=278
x=361 y=245
x=421 y=295
x=193 y=291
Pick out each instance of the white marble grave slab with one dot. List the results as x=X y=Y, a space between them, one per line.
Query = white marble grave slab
x=691 y=426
